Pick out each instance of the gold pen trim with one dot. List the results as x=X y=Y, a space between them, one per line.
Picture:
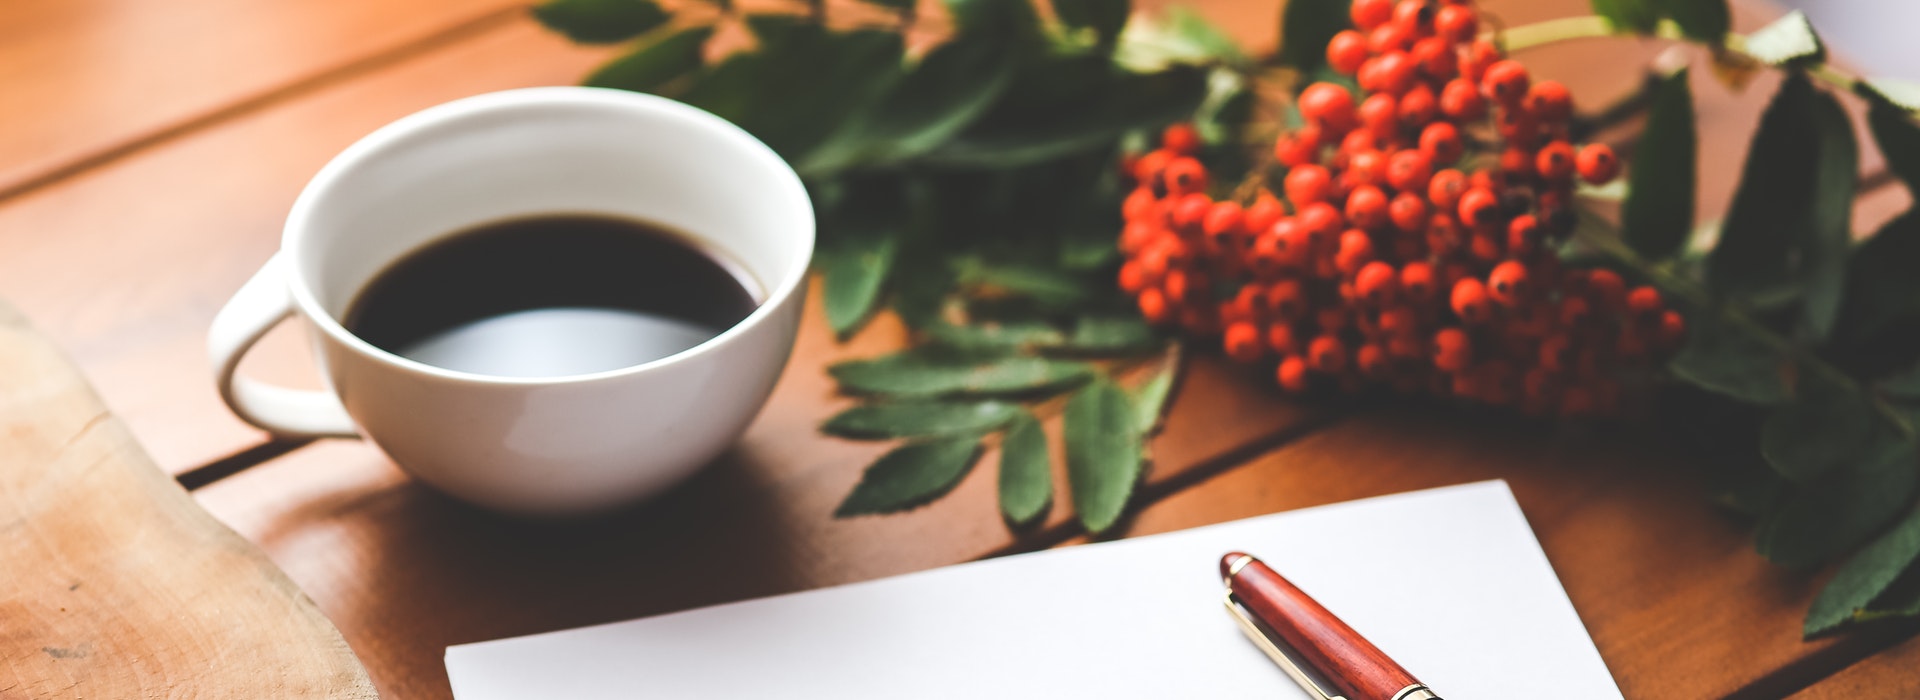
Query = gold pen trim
x=1234 y=568
x=1266 y=644
x=1417 y=691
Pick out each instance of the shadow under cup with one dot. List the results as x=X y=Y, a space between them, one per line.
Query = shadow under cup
x=563 y=444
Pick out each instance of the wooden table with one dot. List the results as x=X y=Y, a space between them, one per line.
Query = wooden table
x=148 y=152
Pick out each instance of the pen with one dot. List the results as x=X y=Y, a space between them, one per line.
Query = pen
x=1269 y=606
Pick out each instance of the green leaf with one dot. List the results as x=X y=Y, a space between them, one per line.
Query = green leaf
x=1726 y=359
x=1631 y=15
x=1103 y=453
x=1904 y=94
x=1904 y=384
x=1865 y=577
x=1150 y=398
x=908 y=419
x=1772 y=211
x=998 y=336
x=893 y=4
x=1706 y=20
x=948 y=90
x=1831 y=237
x=1898 y=138
x=1110 y=335
x=1881 y=286
x=1046 y=285
x=1305 y=28
x=853 y=276
x=1826 y=518
x=1658 y=214
x=801 y=84
x=1064 y=124
x=1788 y=40
x=924 y=374
x=1821 y=429
x=1026 y=471
x=921 y=290
x=1103 y=17
x=1180 y=36
x=600 y=21
x=648 y=68
x=911 y=475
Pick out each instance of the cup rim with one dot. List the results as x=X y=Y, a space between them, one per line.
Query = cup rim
x=789 y=281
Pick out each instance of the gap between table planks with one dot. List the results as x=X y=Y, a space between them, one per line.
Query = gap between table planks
x=132 y=324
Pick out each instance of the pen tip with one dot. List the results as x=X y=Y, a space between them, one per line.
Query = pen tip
x=1226 y=563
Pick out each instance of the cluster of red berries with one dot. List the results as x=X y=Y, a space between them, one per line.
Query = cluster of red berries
x=1393 y=260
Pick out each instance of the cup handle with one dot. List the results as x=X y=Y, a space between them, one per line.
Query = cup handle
x=262 y=303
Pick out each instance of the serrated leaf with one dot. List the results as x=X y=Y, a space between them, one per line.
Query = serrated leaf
x=1819 y=430
x=1045 y=285
x=1305 y=28
x=1026 y=471
x=1637 y=16
x=909 y=419
x=911 y=475
x=1881 y=286
x=947 y=91
x=923 y=374
x=1103 y=453
x=1823 y=519
x=853 y=275
x=1772 y=211
x=1110 y=334
x=1658 y=214
x=1728 y=360
x=1044 y=130
x=1150 y=398
x=1865 y=577
x=801 y=84
x=1788 y=40
x=1835 y=180
x=997 y=336
x=600 y=21
x=1104 y=17
x=652 y=66
x=1899 y=140
x=1706 y=20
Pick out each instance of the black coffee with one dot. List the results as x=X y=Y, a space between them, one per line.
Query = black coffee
x=550 y=296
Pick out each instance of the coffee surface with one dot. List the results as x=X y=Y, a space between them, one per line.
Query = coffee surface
x=552 y=295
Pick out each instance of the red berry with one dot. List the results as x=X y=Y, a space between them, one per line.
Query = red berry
x=1440 y=143
x=1470 y=301
x=1398 y=320
x=1418 y=107
x=1225 y=225
x=1506 y=81
x=1328 y=104
x=1187 y=286
x=1321 y=222
x=1377 y=283
x=1372 y=361
x=1516 y=127
x=1299 y=147
x=1508 y=283
x=1292 y=374
x=1132 y=279
x=1408 y=170
x=1148 y=168
x=1153 y=306
x=1607 y=290
x=1190 y=212
x=1367 y=14
x=1367 y=207
x=1460 y=100
x=1139 y=204
x=1388 y=37
x=1479 y=208
x=1409 y=213
x=1645 y=303
x=1555 y=161
x=1452 y=350
x=1356 y=250
x=1380 y=114
x=1242 y=341
x=1575 y=312
x=1367 y=168
x=1347 y=51
x=1549 y=101
x=1415 y=16
x=1396 y=70
x=1327 y=354
x=1671 y=331
x=1445 y=189
x=1135 y=237
x=1264 y=213
x=1435 y=57
x=1597 y=164
x=1523 y=234
x=1475 y=59
x=1281 y=339
x=1516 y=161
x=1307 y=184
x=1181 y=138
x=1456 y=23
x=1485 y=248
x=1416 y=281
x=1290 y=244
x=1288 y=299
x=1185 y=175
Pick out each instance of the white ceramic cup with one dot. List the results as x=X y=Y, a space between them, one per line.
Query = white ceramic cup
x=535 y=446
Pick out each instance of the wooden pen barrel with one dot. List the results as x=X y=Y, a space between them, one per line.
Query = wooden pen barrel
x=1355 y=667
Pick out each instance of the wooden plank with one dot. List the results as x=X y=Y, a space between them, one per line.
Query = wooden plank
x=81 y=82
x=1894 y=673
x=1676 y=600
x=126 y=266
x=406 y=572
x=118 y=585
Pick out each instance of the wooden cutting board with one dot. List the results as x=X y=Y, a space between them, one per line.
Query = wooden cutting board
x=113 y=582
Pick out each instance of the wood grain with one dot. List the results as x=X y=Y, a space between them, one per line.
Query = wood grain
x=125 y=267
x=1894 y=673
x=84 y=81
x=117 y=584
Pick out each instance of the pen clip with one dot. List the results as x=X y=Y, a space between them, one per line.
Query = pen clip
x=1273 y=650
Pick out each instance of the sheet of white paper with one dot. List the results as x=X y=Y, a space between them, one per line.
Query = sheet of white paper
x=1450 y=582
